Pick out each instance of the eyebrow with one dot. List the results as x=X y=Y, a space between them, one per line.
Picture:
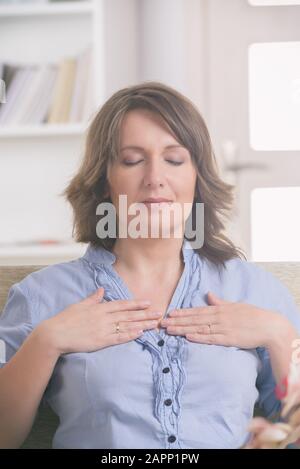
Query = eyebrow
x=134 y=147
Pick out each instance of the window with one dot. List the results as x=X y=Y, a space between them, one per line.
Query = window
x=274 y=96
x=266 y=3
x=275 y=225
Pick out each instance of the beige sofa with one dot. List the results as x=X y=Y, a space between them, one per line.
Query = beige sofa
x=46 y=421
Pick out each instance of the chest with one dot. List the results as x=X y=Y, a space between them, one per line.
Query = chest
x=158 y=289
x=160 y=296
x=160 y=292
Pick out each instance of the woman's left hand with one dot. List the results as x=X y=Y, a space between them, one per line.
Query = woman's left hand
x=224 y=323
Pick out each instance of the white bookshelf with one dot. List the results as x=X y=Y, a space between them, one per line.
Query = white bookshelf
x=61 y=8
x=37 y=161
x=43 y=130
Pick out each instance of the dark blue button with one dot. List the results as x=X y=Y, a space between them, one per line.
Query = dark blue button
x=168 y=402
x=161 y=343
x=172 y=438
x=166 y=370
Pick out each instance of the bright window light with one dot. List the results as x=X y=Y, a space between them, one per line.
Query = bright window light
x=266 y=3
x=275 y=224
x=274 y=96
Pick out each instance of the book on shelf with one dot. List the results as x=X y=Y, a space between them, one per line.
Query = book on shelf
x=81 y=90
x=62 y=94
x=48 y=93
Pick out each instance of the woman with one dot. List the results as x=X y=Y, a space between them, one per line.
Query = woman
x=126 y=373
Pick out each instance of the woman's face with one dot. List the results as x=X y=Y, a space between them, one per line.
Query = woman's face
x=151 y=164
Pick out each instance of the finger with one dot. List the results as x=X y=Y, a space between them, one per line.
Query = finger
x=137 y=315
x=124 y=305
x=129 y=326
x=191 y=329
x=193 y=311
x=95 y=297
x=209 y=339
x=190 y=320
x=123 y=337
x=194 y=329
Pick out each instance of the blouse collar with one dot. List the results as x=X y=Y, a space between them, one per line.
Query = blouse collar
x=101 y=256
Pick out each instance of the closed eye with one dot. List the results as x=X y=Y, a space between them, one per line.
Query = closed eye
x=132 y=163
x=175 y=163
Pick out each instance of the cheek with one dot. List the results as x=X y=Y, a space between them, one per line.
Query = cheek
x=122 y=183
x=186 y=186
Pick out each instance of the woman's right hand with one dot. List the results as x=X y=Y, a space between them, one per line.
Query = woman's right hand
x=88 y=326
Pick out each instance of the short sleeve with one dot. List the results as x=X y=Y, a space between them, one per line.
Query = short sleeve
x=15 y=322
x=284 y=303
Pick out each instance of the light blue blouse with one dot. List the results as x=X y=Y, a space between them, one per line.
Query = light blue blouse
x=159 y=390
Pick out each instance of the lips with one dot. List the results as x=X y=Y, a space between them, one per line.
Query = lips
x=159 y=200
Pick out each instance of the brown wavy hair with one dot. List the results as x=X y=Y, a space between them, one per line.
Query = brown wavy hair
x=89 y=186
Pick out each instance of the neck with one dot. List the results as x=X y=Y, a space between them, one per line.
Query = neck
x=146 y=256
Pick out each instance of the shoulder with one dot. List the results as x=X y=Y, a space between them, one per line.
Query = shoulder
x=50 y=289
x=235 y=269
x=245 y=273
x=255 y=276
x=264 y=289
x=53 y=275
x=246 y=281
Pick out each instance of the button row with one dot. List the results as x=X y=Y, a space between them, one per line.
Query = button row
x=167 y=402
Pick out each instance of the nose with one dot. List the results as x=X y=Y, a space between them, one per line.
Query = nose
x=154 y=174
